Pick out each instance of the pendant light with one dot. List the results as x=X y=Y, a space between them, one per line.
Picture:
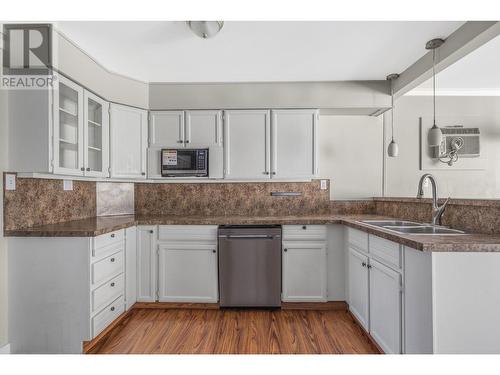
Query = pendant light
x=392 y=149
x=435 y=136
x=205 y=29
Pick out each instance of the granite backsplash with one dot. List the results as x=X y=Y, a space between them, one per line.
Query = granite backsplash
x=231 y=199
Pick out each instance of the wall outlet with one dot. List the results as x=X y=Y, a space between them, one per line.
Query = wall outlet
x=323 y=184
x=68 y=185
x=10 y=181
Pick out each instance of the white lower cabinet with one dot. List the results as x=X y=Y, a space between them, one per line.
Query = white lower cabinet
x=375 y=288
x=304 y=263
x=385 y=307
x=147 y=263
x=187 y=267
x=187 y=273
x=358 y=287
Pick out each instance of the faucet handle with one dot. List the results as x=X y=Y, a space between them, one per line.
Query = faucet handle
x=445 y=202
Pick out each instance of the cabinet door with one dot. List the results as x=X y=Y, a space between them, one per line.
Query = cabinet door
x=146 y=264
x=187 y=273
x=166 y=129
x=203 y=129
x=130 y=267
x=293 y=139
x=246 y=144
x=128 y=134
x=358 y=287
x=304 y=271
x=96 y=135
x=68 y=128
x=385 y=307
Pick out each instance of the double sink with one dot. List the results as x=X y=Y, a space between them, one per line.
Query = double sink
x=410 y=227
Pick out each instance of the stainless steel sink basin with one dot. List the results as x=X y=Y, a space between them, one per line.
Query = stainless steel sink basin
x=410 y=227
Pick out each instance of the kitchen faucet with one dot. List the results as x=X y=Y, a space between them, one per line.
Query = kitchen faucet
x=437 y=211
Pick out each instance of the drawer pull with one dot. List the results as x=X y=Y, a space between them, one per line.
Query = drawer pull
x=112 y=260
x=112 y=308
x=304 y=227
x=151 y=231
x=112 y=284
x=113 y=235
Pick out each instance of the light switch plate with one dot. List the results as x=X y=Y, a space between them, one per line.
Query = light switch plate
x=324 y=184
x=10 y=181
x=68 y=185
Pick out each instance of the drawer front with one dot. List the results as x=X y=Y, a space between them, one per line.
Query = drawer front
x=108 y=292
x=304 y=232
x=386 y=251
x=101 y=252
x=107 y=239
x=107 y=268
x=358 y=239
x=107 y=315
x=197 y=233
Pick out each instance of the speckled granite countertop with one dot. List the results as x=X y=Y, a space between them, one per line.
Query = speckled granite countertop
x=99 y=225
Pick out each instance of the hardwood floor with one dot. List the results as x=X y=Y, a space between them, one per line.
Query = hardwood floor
x=188 y=331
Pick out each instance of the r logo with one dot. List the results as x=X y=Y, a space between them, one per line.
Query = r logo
x=27 y=49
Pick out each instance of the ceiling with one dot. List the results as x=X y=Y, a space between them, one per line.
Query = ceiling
x=478 y=71
x=256 y=51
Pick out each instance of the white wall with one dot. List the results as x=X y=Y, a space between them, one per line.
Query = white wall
x=350 y=155
x=3 y=241
x=402 y=173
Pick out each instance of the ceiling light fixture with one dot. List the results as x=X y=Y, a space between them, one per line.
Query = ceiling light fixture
x=435 y=136
x=392 y=149
x=205 y=29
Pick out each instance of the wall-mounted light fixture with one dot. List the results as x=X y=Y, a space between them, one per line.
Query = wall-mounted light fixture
x=205 y=29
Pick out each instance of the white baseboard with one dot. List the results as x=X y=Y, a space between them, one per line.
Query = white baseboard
x=5 y=349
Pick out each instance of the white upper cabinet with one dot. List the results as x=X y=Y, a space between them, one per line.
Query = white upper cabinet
x=96 y=136
x=166 y=129
x=68 y=128
x=293 y=149
x=128 y=134
x=247 y=144
x=203 y=129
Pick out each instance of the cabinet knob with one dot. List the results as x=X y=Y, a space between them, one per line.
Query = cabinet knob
x=285 y=250
x=88 y=169
x=265 y=172
x=151 y=231
x=82 y=169
x=179 y=141
x=213 y=251
x=187 y=141
x=274 y=173
x=113 y=235
x=112 y=308
x=112 y=260
x=369 y=266
x=143 y=173
x=112 y=284
x=304 y=227
x=363 y=264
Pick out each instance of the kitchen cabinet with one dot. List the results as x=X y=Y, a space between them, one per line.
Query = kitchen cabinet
x=96 y=136
x=358 y=287
x=130 y=267
x=203 y=129
x=166 y=129
x=304 y=263
x=247 y=144
x=187 y=267
x=187 y=273
x=146 y=263
x=293 y=143
x=128 y=135
x=385 y=307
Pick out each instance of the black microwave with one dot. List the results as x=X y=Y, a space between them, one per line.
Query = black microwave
x=184 y=162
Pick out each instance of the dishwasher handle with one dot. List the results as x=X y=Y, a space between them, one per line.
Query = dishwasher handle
x=249 y=236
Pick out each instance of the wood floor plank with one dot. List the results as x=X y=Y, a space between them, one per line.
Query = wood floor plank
x=238 y=331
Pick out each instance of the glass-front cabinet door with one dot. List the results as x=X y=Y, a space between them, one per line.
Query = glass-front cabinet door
x=68 y=129
x=96 y=130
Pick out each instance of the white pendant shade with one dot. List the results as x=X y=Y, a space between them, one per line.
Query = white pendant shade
x=205 y=29
x=435 y=136
x=393 y=149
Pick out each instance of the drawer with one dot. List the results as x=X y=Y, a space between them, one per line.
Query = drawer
x=101 y=252
x=358 y=239
x=107 y=315
x=385 y=251
x=108 y=292
x=106 y=240
x=198 y=233
x=304 y=232
x=107 y=268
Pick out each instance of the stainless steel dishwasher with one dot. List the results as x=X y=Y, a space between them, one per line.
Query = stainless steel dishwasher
x=250 y=265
